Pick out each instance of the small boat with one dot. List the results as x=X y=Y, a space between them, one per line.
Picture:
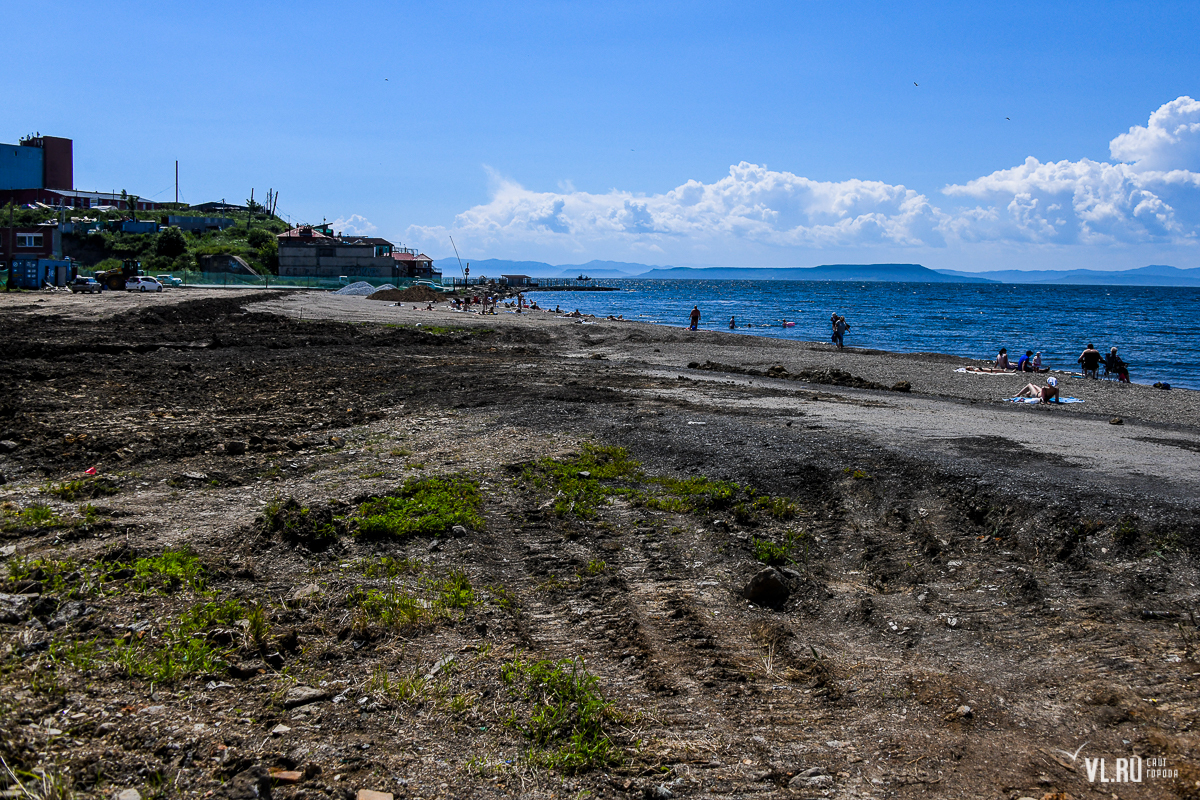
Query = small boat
x=789 y=324
x=583 y=278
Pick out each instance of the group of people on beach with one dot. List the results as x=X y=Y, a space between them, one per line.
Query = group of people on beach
x=1030 y=362
x=837 y=323
x=1090 y=359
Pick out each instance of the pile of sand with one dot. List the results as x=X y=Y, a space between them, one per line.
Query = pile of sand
x=413 y=294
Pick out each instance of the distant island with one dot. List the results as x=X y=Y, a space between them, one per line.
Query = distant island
x=1153 y=275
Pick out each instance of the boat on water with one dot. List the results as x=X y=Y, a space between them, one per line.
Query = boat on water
x=583 y=278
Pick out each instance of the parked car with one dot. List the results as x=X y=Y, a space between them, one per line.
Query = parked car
x=88 y=285
x=142 y=283
x=169 y=280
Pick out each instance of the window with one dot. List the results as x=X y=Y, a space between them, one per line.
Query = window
x=325 y=252
x=29 y=240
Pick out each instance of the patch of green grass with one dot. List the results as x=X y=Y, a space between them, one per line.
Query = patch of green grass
x=409 y=688
x=583 y=483
x=503 y=598
x=562 y=712
x=81 y=655
x=82 y=489
x=388 y=567
x=168 y=571
x=425 y=602
x=857 y=474
x=169 y=660
x=366 y=476
x=423 y=507
x=700 y=495
x=34 y=516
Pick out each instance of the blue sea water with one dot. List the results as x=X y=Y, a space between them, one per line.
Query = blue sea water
x=1155 y=329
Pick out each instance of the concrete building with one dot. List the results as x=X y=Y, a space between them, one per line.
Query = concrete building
x=313 y=251
x=199 y=224
x=41 y=169
x=35 y=256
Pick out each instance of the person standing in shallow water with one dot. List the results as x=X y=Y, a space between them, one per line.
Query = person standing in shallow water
x=732 y=323
x=839 y=330
x=695 y=317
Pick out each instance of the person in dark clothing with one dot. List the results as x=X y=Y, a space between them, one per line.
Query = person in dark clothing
x=1114 y=364
x=1089 y=360
x=695 y=317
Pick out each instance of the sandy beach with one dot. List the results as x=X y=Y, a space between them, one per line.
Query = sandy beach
x=781 y=584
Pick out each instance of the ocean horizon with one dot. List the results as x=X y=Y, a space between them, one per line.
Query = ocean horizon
x=1155 y=329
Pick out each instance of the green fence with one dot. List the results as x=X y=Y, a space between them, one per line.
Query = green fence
x=190 y=278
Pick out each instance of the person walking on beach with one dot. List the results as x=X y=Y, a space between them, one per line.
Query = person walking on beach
x=695 y=317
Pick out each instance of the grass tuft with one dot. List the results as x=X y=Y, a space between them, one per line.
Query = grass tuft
x=423 y=507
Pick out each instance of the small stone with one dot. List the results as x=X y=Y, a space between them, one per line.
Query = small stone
x=459 y=530
x=105 y=728
x=14 y=607
x=287 y=776
x=583 y=473
x=370 y=794
x=280 y=730
x=235 y=448
x=434 y=545
x=153 y=710
x=246 y=670
x=303 y=695
x=660 y=792
x=441 y=664
x=129 y=794
x=964 y=711
x=7 y=446
x=767 y=588
x=302 y=593
x=249 y=784
x=1116 y=421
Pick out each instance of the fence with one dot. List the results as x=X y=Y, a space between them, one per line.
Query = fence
x=190 y=278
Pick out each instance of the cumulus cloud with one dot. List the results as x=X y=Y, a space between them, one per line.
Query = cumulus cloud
x=751 y=203
x=354 y=225
x=1149 y=194
x=1170 y=140
x=1152 y=198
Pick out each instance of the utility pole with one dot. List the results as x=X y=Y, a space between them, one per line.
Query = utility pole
x=250 y=211
x=177 y=181
x=12 y=243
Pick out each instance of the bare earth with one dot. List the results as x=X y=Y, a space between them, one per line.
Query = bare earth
x=975 y=589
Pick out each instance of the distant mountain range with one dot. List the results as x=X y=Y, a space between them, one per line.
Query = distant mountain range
x=1154 y=275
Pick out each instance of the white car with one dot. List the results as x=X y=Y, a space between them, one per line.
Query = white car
x=142 y=283
x=169 y=280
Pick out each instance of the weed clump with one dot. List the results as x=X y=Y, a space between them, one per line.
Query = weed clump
x=423 y=507
x=83 y=489
x=776 y=555
x=567 y=716
x=423 y=603
x=315 y=528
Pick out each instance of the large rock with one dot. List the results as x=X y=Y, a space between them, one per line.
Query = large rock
x=768 y=588
x=303 y=695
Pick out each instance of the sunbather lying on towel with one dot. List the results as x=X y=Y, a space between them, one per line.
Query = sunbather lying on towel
x=1046 y=393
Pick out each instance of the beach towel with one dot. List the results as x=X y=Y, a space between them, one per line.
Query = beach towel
x=1033 y=400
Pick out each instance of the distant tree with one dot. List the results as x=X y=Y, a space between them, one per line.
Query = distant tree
x=258 y=237
x=171 y=243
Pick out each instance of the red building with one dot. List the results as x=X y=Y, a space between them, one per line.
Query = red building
x=41 y=169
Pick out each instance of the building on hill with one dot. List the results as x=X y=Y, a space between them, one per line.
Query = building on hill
x=221 y=207
x=313 y=251
x=198 y=224
x=41 y=169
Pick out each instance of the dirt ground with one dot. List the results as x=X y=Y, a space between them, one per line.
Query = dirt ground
x=967 y=599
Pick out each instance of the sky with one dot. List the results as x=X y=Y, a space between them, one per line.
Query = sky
x=969 y=136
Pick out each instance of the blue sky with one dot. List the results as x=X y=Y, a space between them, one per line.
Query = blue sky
x=667 y=133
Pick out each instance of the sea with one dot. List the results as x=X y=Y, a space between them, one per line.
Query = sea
x=1155 y=329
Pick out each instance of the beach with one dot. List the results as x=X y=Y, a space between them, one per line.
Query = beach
x=963 y=577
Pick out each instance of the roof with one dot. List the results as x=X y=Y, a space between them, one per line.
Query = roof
x=410 y=257
x=303 y=232
x=375 y=240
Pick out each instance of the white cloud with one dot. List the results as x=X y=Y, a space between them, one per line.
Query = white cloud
x=353 y=225
x=1170 y=140
x=1151 y=195
x=751 y=203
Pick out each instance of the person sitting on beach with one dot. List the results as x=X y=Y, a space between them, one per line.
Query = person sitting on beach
x=1026 y=362
x=1089 y=360
x=1002 y=360
x=557 y=310
x=1113 y=363
x=1047 y=393
x=1037 y=362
